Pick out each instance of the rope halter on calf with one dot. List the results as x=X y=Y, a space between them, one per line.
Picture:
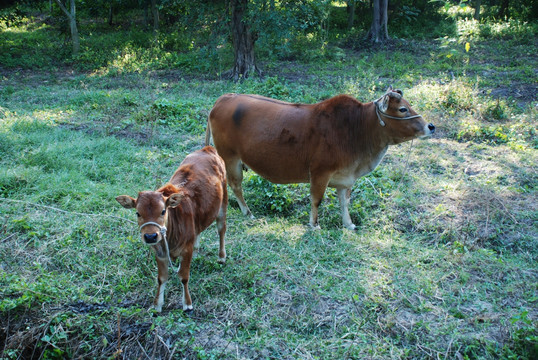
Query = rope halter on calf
x=163 y=236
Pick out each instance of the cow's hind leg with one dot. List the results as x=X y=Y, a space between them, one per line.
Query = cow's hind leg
x=344 y=194
x=234 y=174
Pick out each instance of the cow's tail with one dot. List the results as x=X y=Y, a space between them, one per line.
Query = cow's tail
x=207 y=133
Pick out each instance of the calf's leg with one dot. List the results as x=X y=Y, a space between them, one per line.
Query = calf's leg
x=162 y=278
x=184 y=273
x=221 y=226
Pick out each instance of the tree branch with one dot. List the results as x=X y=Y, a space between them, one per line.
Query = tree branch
x=64 y=9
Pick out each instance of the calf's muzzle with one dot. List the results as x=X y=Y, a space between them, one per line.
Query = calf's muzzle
x=151 y=238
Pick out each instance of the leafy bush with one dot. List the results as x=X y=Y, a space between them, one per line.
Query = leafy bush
x=270 y=197
x=495 y=110
x=488 y=134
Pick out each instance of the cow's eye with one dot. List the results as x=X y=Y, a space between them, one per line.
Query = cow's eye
x=137 y=214
x=402 y=109
x=164 y=212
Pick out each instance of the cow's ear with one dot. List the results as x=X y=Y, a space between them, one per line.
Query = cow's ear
x=126 y=201
x=384 y=103
x=389 y=89
x=174 y=200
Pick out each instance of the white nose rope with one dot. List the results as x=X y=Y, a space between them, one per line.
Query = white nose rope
x=163 y=236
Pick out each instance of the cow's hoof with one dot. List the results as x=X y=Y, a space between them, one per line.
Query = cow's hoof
x=315 y=227
x=351 y=227
x=187 y=308
x=221 y=260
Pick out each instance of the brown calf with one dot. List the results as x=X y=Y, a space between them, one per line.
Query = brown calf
x=172 y=217
x=331 y=143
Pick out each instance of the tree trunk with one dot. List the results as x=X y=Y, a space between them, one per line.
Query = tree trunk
x=146 y=4
x=243 y=42
x=155 y=13
x=110 y=15
x=378 y=32
x=477 y=9
x=350 y=13
x=71 y=15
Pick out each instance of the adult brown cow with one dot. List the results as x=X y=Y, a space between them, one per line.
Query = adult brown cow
x=331 y=143
x=172 y=217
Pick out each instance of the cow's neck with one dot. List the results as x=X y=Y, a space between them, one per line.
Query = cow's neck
x=377 y=140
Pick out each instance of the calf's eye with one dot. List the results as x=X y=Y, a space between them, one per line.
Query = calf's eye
x=137 y=214
x=164 y=211
x=402 y=109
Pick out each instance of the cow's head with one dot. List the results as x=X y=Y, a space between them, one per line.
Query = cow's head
x=151 y=210
x=401 y=122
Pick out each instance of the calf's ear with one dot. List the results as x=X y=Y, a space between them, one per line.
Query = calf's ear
x=174 y=200
x=126 y=201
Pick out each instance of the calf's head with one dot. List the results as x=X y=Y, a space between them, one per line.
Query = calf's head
x=401 y=122
x=151 y=210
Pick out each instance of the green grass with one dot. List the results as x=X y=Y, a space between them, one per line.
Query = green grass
x=443 y=264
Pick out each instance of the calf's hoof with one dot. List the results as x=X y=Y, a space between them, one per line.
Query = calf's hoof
x=187 y=308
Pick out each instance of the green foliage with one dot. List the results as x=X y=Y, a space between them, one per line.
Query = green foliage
x=489 y=134
x=271 y=198
x=31 y=46
x=496 y=110
x=186 y=116
x=524 y=337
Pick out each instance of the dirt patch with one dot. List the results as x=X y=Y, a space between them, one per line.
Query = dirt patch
x=522 y=93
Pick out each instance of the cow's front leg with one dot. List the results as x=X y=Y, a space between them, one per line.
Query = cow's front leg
x=162 y=278
x=318 y=185
x=344 y=194
x=184 y=273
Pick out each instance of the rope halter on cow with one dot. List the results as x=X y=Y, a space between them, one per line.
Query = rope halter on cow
x=163 y=230
x=394 y=94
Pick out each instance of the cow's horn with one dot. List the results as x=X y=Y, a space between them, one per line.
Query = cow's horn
x=395 y=94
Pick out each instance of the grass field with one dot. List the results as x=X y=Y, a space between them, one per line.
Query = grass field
x=443 y=264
